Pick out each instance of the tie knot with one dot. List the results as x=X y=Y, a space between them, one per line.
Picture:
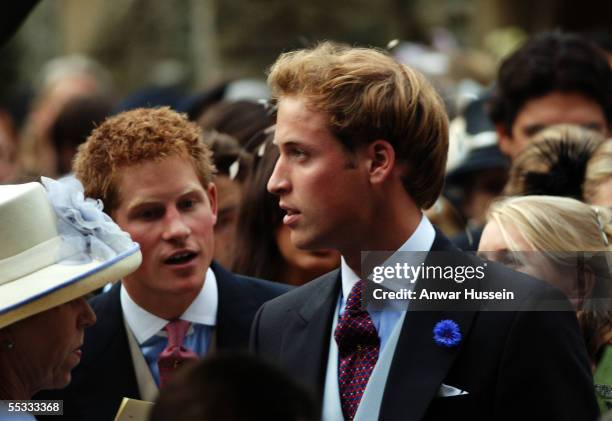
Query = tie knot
x=355 y=327
x=175 y=354
x=177 y=329
x=353 y=301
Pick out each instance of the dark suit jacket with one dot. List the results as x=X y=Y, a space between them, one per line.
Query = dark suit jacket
x=515 y=365
x=106 y=373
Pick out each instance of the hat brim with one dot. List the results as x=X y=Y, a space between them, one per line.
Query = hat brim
x=480 y=159
x=60 y=283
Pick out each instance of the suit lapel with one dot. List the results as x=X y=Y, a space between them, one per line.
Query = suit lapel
x=106 y=358
x=120 y=342
x=419 y=365
x=308 y=332
x=234 y=314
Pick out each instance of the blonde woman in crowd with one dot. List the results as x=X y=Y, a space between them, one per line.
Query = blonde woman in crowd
x=556 y=239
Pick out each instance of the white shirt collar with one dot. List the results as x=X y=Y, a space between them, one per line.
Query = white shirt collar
x=203 y=310
x=421 y=240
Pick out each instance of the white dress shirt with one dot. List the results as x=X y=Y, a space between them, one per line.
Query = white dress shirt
x=147 y=328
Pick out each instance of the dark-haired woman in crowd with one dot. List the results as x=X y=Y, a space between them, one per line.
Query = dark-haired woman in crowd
x=232 y=165
x=264 y=248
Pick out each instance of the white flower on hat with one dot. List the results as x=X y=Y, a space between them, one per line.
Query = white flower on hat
x=87 y=232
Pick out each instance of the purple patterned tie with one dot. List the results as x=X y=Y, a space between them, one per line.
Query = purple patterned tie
x=358 y=346
x=175 y=354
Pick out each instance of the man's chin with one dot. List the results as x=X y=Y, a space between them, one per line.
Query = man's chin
x=305 y=242
x=185 y=285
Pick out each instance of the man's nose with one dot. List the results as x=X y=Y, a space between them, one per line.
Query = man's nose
x=279 y=182
x=175 y=226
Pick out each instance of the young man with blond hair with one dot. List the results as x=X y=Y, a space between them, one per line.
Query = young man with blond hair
x=154 y=173
x=363 y=142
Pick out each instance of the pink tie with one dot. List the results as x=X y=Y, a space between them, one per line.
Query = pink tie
x=175 y=354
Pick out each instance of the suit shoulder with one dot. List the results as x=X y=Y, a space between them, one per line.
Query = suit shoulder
x=297 y=296
x=274 y=288
x=106 y=300
x=108 y=327
x=246 y=287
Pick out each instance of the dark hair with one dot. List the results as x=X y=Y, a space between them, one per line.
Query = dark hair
x=554 y=164
x=226 y=151
x=240 y=119
x=549 y=62
x=258 y=218
x=602 y=38
x=75 y=122
x=234 y=387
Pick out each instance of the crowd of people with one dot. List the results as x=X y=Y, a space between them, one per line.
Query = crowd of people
x=207 y=253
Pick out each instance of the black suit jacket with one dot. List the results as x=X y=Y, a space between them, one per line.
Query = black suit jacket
x=106 y=373
x=515 y=365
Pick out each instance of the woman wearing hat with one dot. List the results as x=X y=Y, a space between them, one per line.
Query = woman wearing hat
x=56 y=247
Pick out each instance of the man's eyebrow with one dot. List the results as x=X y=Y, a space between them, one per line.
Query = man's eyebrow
x=141 y=202
x=136 y=207
x=292 y=143
x=154 y=201
x=189 y=191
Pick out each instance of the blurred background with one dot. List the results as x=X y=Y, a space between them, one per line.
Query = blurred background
x=200 y=42
x=72 y=63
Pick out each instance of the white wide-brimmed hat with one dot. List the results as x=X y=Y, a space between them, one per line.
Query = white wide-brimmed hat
x=56 y=246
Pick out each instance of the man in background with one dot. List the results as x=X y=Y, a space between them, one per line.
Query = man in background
x=554 y=78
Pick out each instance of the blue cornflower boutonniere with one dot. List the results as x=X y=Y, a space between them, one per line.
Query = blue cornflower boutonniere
x=447 y=333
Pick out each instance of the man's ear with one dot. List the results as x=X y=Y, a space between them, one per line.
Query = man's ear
x=504 y=140
x=211 y=191
x=381 y=162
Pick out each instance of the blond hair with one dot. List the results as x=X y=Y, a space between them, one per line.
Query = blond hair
x=134 y=137
x=599 y=169
x=561 y=228
x=368 y=95
x=554 y=224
